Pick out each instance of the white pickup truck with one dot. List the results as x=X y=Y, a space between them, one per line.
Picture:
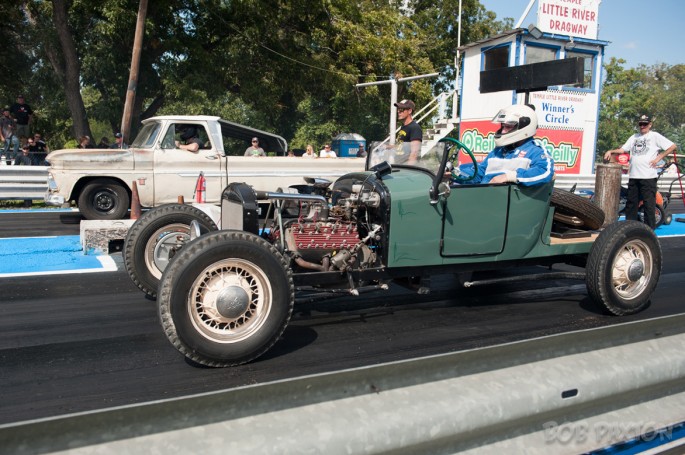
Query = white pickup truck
x=100 y=180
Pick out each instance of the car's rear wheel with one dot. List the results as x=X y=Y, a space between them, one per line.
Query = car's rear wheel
x=623 y=267
x=155 y=238
x=572 y=205
x=104 y=199
x=226 y=298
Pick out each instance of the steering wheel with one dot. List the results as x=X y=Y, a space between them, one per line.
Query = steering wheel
x=454 y=158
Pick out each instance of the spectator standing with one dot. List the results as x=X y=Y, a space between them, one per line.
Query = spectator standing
x=309 y=153
x=23 y=114
x=326 y=152
x=118 y=142
x=42 y=150
x=361 y=153
x=254 y=149
x=646 y=149
x=410 y=136
x=8 y=134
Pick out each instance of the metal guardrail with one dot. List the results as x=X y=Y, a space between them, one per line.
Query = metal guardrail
x=23 y=182
x=30 y=182
x=566 y=393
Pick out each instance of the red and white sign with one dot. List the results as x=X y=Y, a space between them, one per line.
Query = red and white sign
x=577 y=18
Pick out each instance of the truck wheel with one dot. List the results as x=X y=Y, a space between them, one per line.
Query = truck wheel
x=567 y=203
x=155 y=238
x=104 y=199
x=226 y=298
x=623 y=267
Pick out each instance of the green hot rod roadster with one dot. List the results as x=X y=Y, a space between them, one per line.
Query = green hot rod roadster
x=226 y=295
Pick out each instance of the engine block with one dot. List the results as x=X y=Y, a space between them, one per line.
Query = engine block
x=313 y=239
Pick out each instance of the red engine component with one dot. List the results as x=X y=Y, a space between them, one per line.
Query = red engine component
x=320 y=235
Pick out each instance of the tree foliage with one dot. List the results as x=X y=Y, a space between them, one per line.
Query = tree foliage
x=287 y=66
x=658 y=91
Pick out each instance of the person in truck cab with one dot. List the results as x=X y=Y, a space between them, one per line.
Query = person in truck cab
x=517 y=158
x=189 y=139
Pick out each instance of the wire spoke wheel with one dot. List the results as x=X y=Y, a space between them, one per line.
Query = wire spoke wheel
x=632 y=269
x=230 y=300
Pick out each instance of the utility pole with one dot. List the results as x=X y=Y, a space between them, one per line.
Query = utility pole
x=135 y=69
x=393 y=98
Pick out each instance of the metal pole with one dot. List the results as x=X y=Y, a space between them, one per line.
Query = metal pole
x=455 y=97
x=135 y=69
x=525 y=13
x=393 y=98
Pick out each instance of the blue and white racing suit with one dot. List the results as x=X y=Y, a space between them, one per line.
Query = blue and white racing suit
x=527 y=164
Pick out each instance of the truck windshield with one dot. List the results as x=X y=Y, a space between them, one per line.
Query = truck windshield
x=147 y=135
x=429 y=158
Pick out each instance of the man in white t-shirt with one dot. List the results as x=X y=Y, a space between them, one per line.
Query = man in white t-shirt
x=647 y=148
x=327 y=152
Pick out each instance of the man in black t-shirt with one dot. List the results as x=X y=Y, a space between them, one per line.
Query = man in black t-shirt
x=23 y=114
x=410 y=136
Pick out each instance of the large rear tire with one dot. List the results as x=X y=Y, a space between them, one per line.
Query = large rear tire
x=623 y=267
x=567 y=203
x=226 y=298
x=155 y=238
x=104 y=199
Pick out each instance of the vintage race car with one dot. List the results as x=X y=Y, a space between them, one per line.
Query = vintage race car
x=226 y=295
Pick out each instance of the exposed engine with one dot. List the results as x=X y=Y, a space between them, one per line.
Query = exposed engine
x=340 y=236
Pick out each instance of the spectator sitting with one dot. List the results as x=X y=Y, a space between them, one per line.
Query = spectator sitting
x=254 y=149
x=327 y=152
x=290 y=153
x=361 y=153
x=24 y=159
x=118 y=142
x=104 y=143
x=84 y=143
x=42 y=150
x=309 y=153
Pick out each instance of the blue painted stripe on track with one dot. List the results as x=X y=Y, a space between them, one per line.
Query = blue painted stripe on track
x=48 y=255
x=23 y=256
x=28 y=210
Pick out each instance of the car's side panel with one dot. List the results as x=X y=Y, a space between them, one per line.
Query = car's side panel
x=475 y=220
x=415 y=224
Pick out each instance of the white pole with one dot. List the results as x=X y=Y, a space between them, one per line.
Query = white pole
x=393 y=111
x=525 y=13
x=455 y=97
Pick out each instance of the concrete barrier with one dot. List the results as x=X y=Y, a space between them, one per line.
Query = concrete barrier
x=567 y=393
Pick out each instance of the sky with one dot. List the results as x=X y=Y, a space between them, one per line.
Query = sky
x=640 y=32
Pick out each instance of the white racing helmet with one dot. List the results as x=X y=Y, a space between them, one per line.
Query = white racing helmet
x=524 y=120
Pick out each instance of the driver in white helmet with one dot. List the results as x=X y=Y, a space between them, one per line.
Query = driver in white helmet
x=517 y=157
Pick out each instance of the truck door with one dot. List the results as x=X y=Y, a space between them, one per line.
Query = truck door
x=475 y=220
x=177 y=170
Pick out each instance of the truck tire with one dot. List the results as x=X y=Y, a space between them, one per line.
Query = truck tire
x=155 y=238
x=226 y=298
x=623 y=267
x=567 y=203
x=104 y=199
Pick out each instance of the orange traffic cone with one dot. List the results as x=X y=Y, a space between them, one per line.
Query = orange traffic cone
x=135 y=201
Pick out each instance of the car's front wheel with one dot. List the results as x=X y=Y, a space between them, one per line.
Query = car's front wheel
x=623 y=267
x=226 y=298
x=155 y=238
x=104 y=199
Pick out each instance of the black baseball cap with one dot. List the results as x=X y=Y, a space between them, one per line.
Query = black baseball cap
x=406 y=104
x=118 y=135
x=644 y=119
